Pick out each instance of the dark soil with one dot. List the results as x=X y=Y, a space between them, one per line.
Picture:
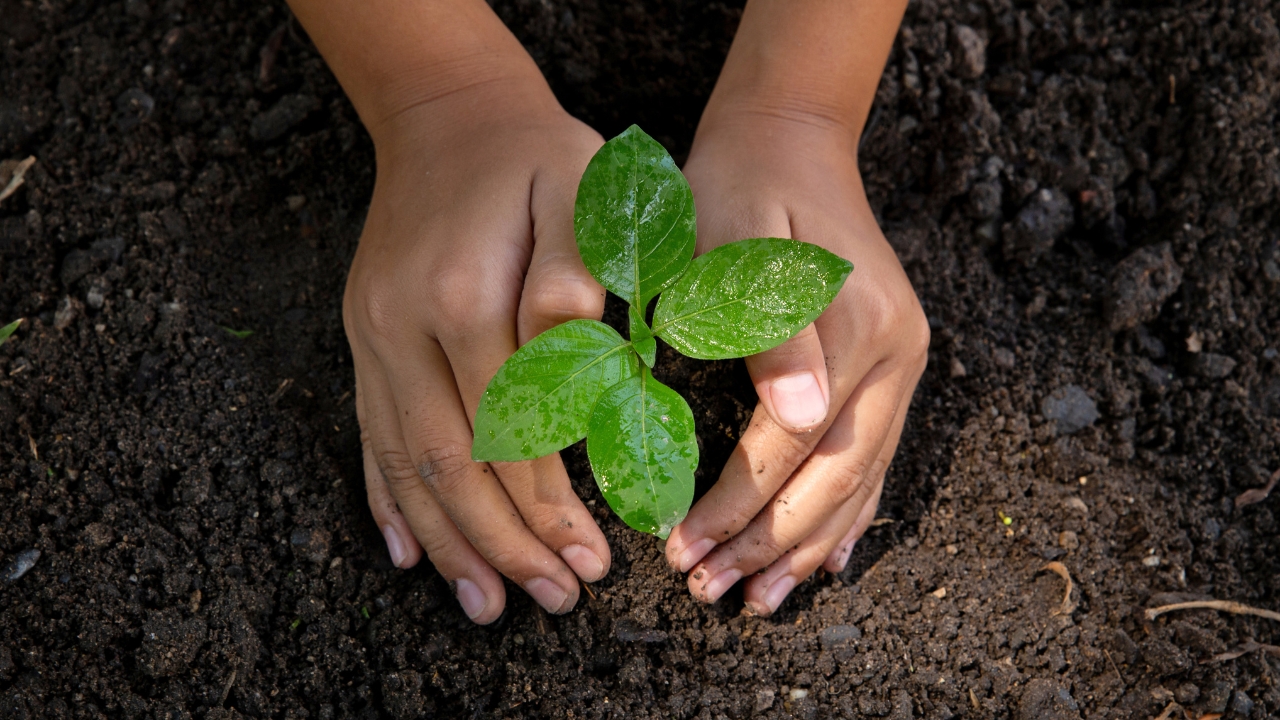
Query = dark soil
x=1083 y=193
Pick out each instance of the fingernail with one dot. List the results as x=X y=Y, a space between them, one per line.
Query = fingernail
x=548 y=594
x=470 y=597
x=778 y=592
x=798 y=400
x=720 y=583
x=395 y=546
x=586 y=564
x=694 y=553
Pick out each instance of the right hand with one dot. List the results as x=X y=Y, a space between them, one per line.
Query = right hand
x=468 y=251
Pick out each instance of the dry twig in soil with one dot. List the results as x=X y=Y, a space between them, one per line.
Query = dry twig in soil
x=16 y=179
x=1250 y=645
x=1223 y=605
x=1067 y=607
x=1257 y=495
x=1168 y=711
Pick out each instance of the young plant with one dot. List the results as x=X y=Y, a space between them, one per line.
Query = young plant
x=9 y=329
x=635 y=228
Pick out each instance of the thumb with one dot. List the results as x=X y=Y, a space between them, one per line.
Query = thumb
x=557 y=286
x=792 y=383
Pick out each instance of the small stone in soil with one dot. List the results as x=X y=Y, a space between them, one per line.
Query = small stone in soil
x=764 y=700
x=20 y=564
x=1039 y=224
x=839 y=634
x=1241 y=704
x=970 y=52
x=1213 y=365
x=1071 y=407
x=1140 y=285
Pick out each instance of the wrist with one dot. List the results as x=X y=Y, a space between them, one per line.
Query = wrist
x=471 y=101
x=776 y=121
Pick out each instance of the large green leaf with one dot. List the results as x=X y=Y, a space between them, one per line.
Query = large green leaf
x=541 y=399
x=643 y=452
x=634 y=217
x=748 y=296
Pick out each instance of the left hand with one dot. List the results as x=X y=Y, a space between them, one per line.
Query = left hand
x=804 y=482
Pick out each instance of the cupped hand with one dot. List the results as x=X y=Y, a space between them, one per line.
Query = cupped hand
x=468 y=251
x=803 y=484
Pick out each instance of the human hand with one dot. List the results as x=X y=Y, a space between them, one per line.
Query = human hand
x=468 y=250
x=804 y=482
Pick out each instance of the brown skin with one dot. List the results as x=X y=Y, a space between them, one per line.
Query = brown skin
x=468 y=251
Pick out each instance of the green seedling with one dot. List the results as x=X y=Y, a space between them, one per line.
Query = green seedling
x=238 y=334
x=635 y=226
x=8 y=330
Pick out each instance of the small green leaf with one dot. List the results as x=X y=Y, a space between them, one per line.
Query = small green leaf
x=643 y=452
x=241 y=334
x=642 y=338
x=748 y=296
x=541 y=399
x=9 y=329
x=634 y=217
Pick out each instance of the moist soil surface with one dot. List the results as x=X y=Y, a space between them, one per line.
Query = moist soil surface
x=1084 y=195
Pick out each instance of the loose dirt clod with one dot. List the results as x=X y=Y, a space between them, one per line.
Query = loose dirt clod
x=1257 y=495
x=1067 y=607
x=1223 y=605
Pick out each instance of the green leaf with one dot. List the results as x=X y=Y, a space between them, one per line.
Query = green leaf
x=9 y=329
x=643 y=452
x=240 y=334
x=748 y=296
x=541 y=399
x=634 y=217
x=642 y=338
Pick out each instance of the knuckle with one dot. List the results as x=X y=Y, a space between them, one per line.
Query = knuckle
x=563 y=296
x=846 y=482
x=444 y=468
x=453 y=294
x=397 y=471
x=510 y=562
x=768 y=547
x=920 y=335
x=545 y=518
x=377 y=310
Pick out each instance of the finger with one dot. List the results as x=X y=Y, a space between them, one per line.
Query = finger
x=539 y=489
x=768 y=454
x=438 y=438
x=791 y=381
x=839 y=556
x=557 y=286
x=765 y=591
x=402 y=546
x=830 y=545
x=838 y=469
x=476 y=585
